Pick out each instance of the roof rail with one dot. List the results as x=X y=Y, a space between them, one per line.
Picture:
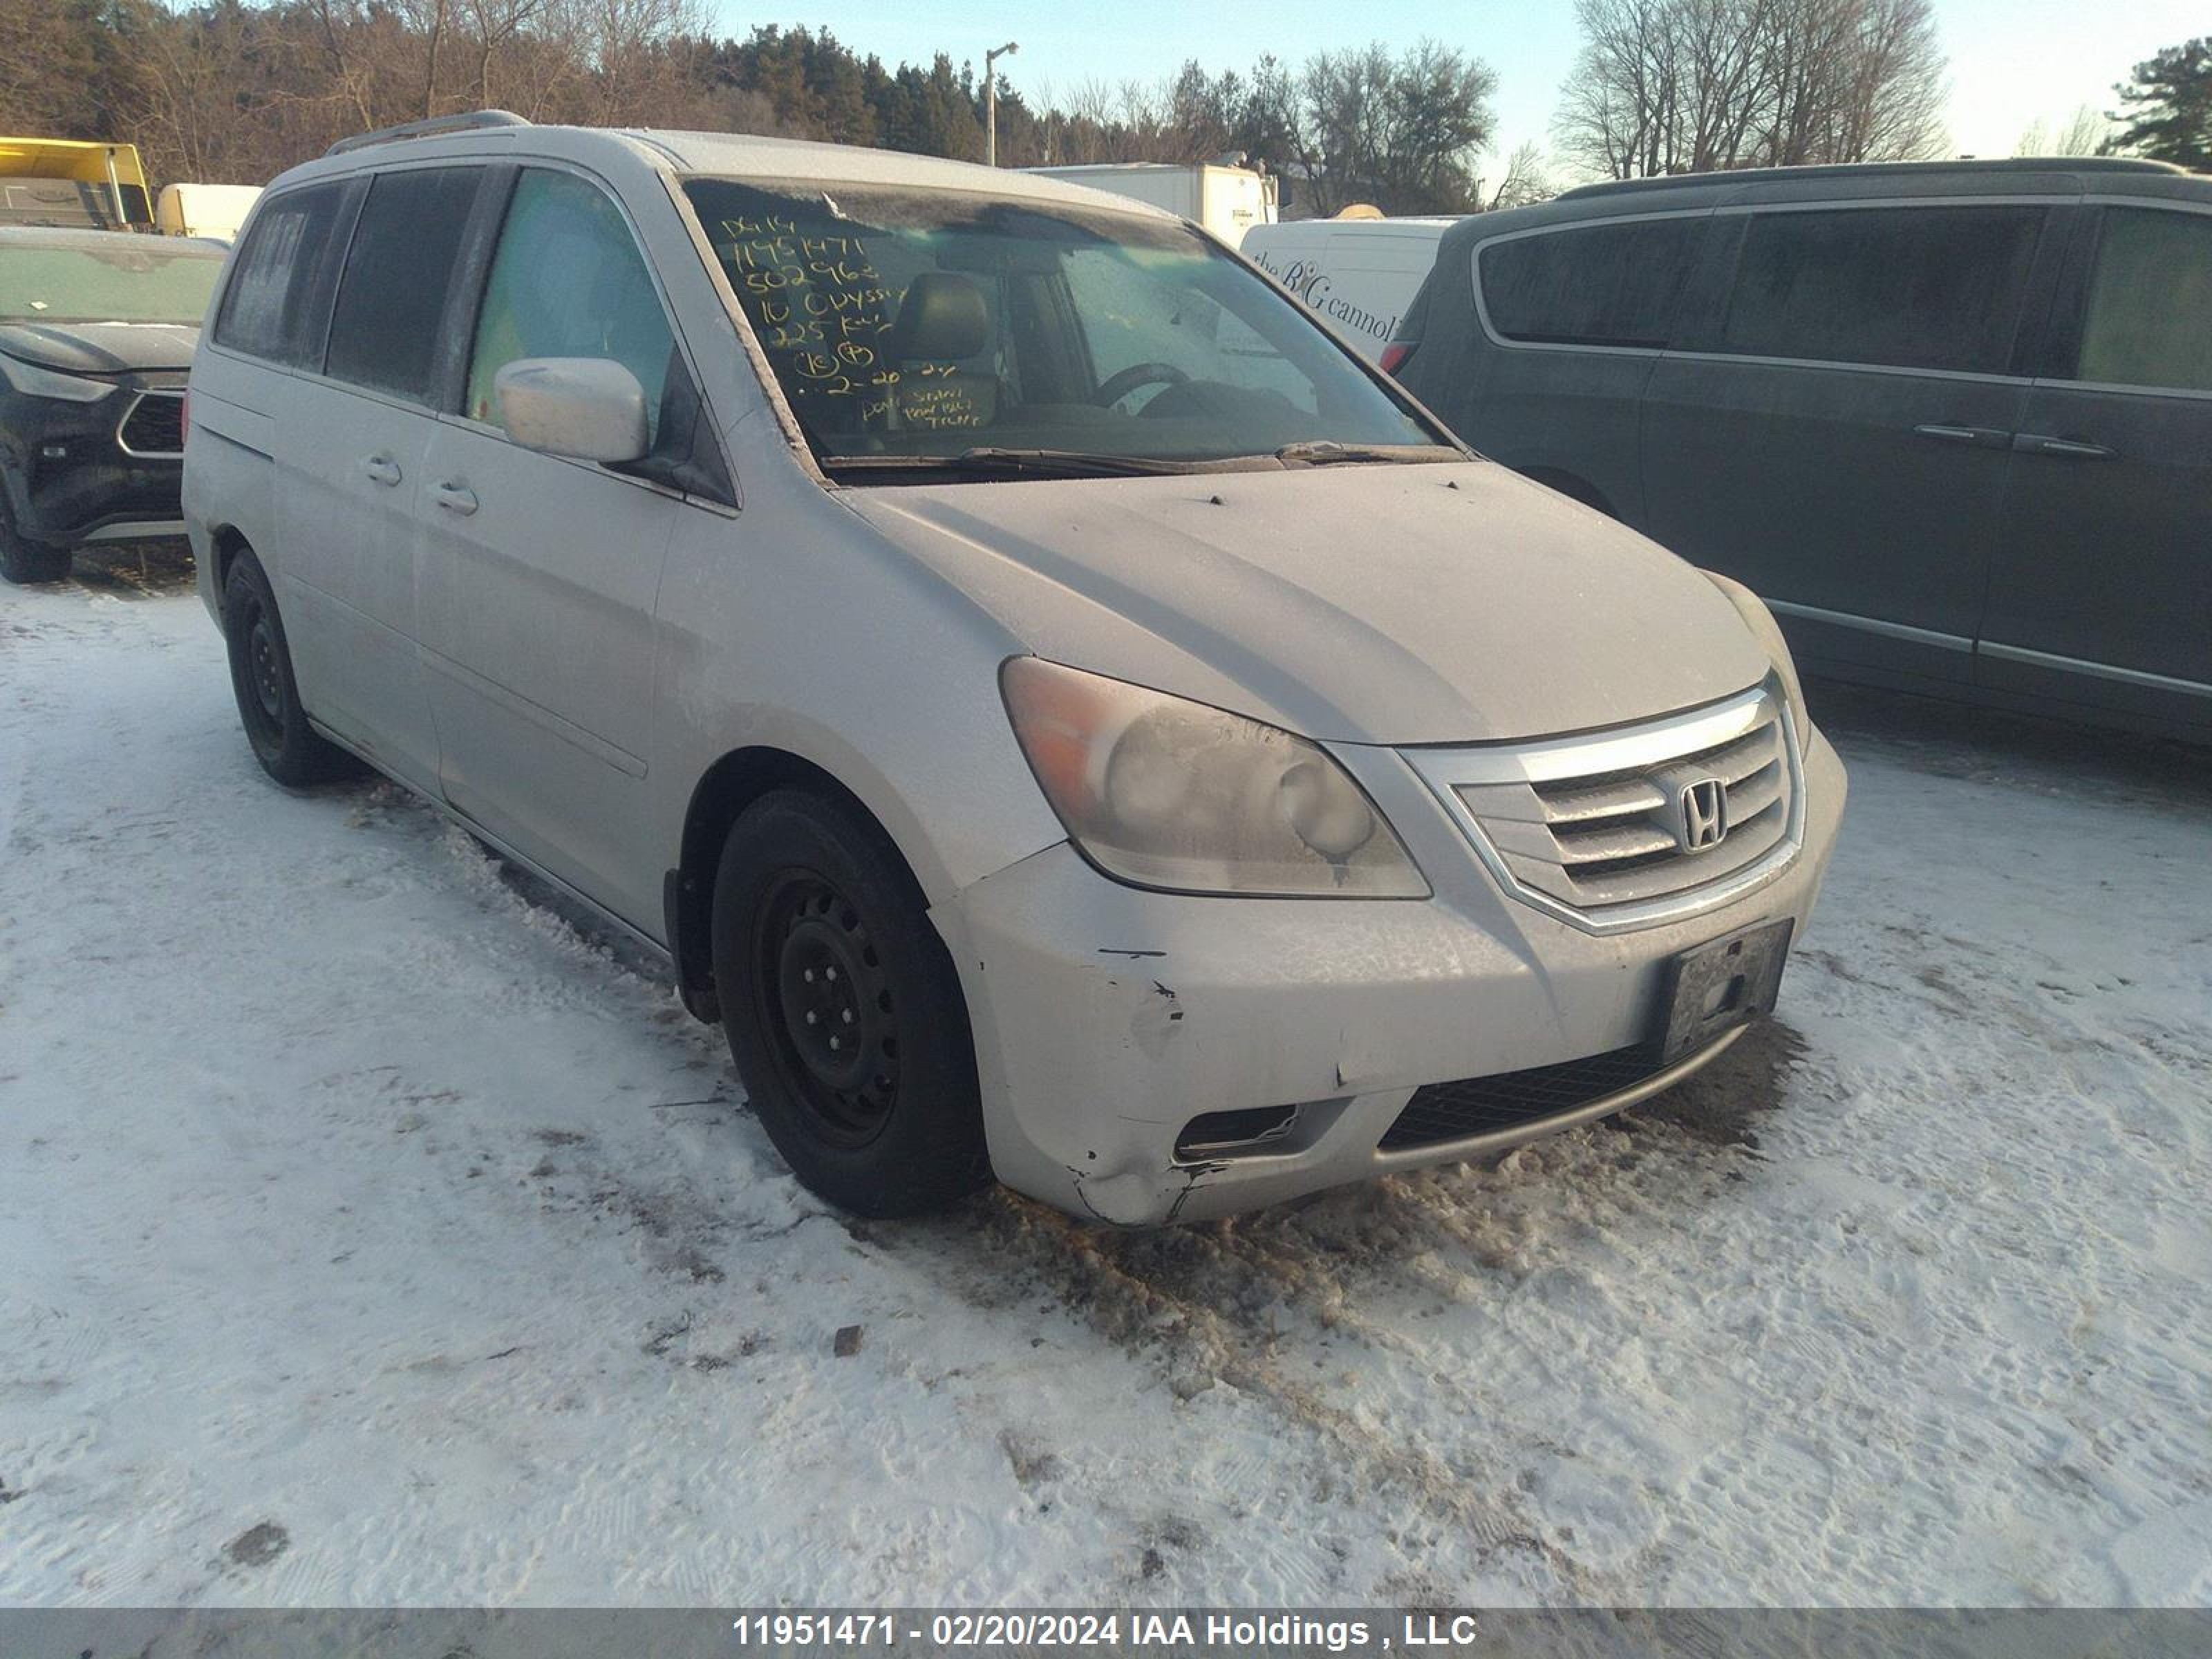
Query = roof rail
x=431 y=128
x=1872 y=169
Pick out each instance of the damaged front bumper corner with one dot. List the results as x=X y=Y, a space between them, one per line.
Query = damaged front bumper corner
x=1108 y=1018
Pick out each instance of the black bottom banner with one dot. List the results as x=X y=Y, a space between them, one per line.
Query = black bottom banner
x=601 y=1633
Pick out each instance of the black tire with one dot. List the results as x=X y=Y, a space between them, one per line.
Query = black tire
x=290 y=750
x=816 y=914
x=25 y=562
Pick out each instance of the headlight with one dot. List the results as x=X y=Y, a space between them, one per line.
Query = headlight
x=1164 y=793
x=35 y=382
x=1768 y=632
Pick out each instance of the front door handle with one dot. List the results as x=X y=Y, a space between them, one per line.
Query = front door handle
x=2038 y=443
x=1987 y=437
x=381 y=469
x=455 y=498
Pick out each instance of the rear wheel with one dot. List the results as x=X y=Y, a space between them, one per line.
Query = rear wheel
x=22 y=561
x=290 y=750
x=843 y=1010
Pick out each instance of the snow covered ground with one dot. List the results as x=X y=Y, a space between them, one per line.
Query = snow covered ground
x=371 y=1233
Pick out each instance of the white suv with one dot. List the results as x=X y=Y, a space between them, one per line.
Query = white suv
x=1064 y=713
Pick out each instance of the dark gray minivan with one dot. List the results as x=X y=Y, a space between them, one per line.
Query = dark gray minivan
x=1952 y=421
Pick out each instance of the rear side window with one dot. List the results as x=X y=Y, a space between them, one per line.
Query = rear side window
x=568 y=282
x=267 y=309
x=2149 y=317
x=1611 y=285
x=1909 y=288
x=384 y=330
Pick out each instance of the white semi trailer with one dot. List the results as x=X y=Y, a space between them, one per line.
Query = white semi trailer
x=1226 y=200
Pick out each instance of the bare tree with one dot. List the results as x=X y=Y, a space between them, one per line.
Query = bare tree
x=489 y=26
x=2085 y=132
x=1526 y=179
x=344 y=24
x=43 y=66
x=639 y=53
x=1693 y=85
x=186 y=78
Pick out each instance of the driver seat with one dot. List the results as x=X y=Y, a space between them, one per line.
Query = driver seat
x=943 y=326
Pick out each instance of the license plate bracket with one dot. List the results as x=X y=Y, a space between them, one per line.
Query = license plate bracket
x=1718 y=986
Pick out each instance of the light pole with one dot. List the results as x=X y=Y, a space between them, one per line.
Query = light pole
x=991 y=100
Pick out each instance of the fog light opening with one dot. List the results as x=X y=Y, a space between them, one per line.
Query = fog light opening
x=1225 y=1135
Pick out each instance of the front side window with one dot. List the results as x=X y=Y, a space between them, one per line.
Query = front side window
x=1599 y=285
x=102 y=276
x=391 y=300
x=1910 y=288
x=2149 y=316
x=926 y=323
x=266 y=308
x=567 y=281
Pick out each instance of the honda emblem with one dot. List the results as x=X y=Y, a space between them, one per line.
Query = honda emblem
x=1701 y=815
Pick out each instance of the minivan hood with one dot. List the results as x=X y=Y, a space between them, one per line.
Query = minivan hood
x=101 y=348
x=1446 y=603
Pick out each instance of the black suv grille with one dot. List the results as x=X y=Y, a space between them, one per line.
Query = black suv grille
x=155 y=425
x=1484 y=1105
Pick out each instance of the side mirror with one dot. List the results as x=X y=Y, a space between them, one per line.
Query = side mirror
x=589 y=409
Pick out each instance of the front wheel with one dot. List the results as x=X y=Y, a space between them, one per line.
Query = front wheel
x=290 y=750
x=843 y=1010
x=23 y=562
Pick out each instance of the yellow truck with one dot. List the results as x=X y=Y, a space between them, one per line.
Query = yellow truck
x=86 y=185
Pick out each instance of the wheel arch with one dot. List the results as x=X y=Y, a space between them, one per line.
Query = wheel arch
x=724 y=791
x=226 y=543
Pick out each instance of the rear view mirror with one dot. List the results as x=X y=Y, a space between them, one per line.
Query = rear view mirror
x=589 y=409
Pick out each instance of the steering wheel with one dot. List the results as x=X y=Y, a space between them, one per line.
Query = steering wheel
x=1118 y=386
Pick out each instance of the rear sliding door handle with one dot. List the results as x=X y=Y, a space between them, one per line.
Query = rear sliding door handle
x=380 y=469
x=2038 y=443
x=455 y=498
x=1987 y=436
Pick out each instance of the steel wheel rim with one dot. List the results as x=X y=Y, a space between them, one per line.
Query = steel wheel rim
x=268 y=682
x=823 y=998
x=261 y=675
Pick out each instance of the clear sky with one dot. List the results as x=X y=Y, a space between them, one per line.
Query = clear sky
x=2011 y=61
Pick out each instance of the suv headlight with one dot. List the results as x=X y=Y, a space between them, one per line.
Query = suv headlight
x=34 y=381
x=1768 y=632
x=1161 y=791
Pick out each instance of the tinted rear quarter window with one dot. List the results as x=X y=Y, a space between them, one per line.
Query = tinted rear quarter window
x=1909 y=287
x=2149 y=317
x=399 y=269
x=1612 y=285
x=267 y=309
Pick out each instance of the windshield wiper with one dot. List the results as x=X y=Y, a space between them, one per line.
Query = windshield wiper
x=1012 y=462
x=1327 y=452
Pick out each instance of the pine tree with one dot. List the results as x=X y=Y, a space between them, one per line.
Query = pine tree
x=2167 y=107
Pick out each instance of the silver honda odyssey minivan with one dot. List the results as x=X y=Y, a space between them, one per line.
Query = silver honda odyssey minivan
x=1064 y=714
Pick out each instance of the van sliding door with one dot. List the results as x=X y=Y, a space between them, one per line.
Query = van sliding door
x=2102 y=590
x=1835 y=430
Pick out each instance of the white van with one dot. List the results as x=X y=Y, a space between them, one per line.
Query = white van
x=1358 y=276
x=1167 y=774
x=213 y=211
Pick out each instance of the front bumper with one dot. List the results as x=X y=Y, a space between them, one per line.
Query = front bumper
x=1107 y=1017
x=70 y=478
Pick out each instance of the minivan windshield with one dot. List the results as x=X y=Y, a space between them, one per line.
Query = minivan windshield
x=921 y=330
x=107 y=277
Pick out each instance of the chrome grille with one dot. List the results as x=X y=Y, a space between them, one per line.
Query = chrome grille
x=154 y=425
x=1597 y=829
